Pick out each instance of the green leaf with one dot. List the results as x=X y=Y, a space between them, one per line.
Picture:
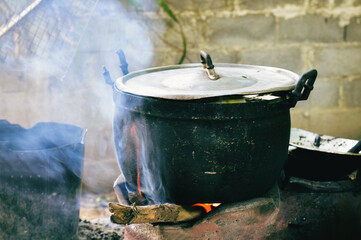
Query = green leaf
x=166 y=9
x=184 y=40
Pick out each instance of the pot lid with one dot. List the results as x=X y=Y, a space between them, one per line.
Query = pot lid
x=194 y=81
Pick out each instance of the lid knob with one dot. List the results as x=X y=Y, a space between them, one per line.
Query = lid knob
x=208 y=65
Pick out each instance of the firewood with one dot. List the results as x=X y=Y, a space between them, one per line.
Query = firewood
x=170 y=213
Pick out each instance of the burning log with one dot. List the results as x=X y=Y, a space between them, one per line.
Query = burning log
x=170 y=213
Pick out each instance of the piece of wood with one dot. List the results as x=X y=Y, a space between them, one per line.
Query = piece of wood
x=170 y=213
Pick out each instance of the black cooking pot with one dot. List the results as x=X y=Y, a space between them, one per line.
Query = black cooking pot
x=186 y=134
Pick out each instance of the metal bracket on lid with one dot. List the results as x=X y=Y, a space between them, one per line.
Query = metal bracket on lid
x=123 y=62
x=123 y=66
x=208 y=65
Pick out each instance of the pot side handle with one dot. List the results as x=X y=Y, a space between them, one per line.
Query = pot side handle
x=304 y=87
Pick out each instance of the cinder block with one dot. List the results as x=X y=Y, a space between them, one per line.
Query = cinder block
x=199 y=6
x=193 y=32
x=343 y=3
x=356 y=2
x=217 y=56
x=340 y=123
x=353 y=33
x=260 y=5
x=299 y=119
x=338 y=61
x=240 y=31
x=225 y=56
x=324 y=95
x=310 y=28
x=319 y=4
x=283 y=57
x=352 y=93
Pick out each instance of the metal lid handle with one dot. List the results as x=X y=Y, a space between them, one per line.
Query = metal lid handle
x=208 y=65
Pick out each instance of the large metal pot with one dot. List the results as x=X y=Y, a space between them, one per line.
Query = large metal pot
x=187 y=143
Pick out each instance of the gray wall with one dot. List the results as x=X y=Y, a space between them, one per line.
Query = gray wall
x=296 y=35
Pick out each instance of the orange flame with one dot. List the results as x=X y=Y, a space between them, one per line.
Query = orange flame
x=133 y=133
x=207 y=206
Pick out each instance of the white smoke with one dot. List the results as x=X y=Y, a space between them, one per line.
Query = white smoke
x=51 y=67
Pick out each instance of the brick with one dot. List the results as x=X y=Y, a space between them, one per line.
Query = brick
x=343 y=3
x=310 y=28
x=324 y=95
x=339 y=123
x=337 y=3
x=239 y=31
x=319 y=4
x=191 y=5
x=269 y=4
x=283 y=57
x=354 y=30
x=352 y=93
x=338 y=61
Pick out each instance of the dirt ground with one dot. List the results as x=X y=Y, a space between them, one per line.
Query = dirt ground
x=95 y=218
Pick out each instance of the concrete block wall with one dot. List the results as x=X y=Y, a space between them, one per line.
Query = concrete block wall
x=297 y=35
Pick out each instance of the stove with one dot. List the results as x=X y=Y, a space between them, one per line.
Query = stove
x=299 y=209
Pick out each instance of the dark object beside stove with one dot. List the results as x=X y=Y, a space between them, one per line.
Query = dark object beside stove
x=321 y=166
x=321 y=157
x=40 y=179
